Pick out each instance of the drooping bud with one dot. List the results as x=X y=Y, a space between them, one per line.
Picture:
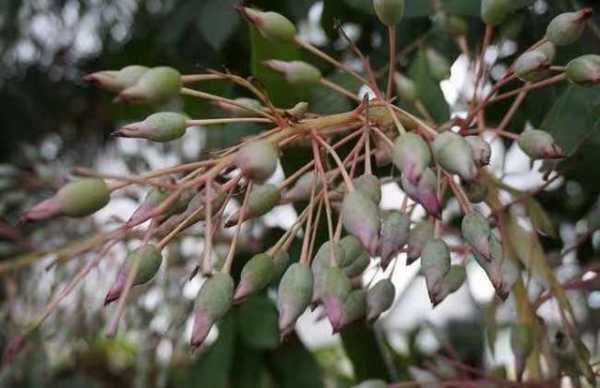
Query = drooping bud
x=372 y=384
x=567 y=27
x=355 y=307
x=476 y=232
x=370 y=185
x=294 y=295
x=116 y=81
x=584 y=70
x=262 y=199
x=330 y=254
x=281 y=262
x=455 y=155
x=360 y=217
x=482 y=152
x=257 y=160
x=418 y=236
x=389 y=12
x=244 y=107
x=539 y=145
x=453 y=280
x=356 y=258
x=212 y=303
x=358 y=266
x=476 y=191
x=380 y=298
x=425 y=192
x=411 y=156
x=158 y=84
x=150 y=260
x=395 y=228
x=438 y=65
x=435 y=264
x=271 y=25
x=337 y=286
x=256 y=275
x=79 y=198
x=160 y=127
x=502 y=271
x=295 y=72
x=521 y=343
x=151 y=201
x=532 y=64
x=405 y=87
x=302 y=189
x=494 y=12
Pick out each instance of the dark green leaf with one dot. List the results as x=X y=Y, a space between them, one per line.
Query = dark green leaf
x=217 y=21
x=293 y=366
x=258 y=323
x=365 y=351
x=429 y=89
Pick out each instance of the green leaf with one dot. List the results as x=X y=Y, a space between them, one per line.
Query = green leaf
x=218 y=20
x=365 y=351
x=429 y=89
x=463 y=7
x=540 y=219
x=258 y=323
x=292 y=365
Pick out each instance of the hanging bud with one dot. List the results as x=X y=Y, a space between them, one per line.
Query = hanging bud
x=418 y=236
x=453 y=280
x=158 y=84
x=116 y=81
x=425 y=192
x=294 y=295
x=243 y=107
x=295 y=72
x=212 y=303
x=354 y=308
x=151 y=201
x=539 y=145
x=502 y=271
x=79 y=198
x=494 y=12
x=160 y=127
x=389 y=12
x=438 y=65
x=271 y=25
x=482 y=152
x=405 y=87
x=302 y=189
x=256 y=275
x=281 y=262
x=369 y=185
x=150 y=260
x=330 y=254
x=567 y=27
x=521 y=343
x=532 y=64
x=395 y=228
x=358 y=265
x=257 y=160
x=435 y=264
x=360 y=217
x=372 y=384
x=455 y=155
x=411 y=156
x=352 y=248
x=477 y=232
x=262 y=199
x=380 y=298
x=584 y=70
x=476 y=191
x=337 y=286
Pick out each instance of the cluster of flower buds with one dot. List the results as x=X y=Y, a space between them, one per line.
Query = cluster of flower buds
x=567 y=27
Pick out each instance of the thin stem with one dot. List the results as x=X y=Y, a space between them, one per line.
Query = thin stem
x=189 y=78
x=392 y=61
x=511 y=112
x=338 y=89
x=228 y=121
x=212 y=97
x=345 y=176
x=530 y=86
x=236 y=236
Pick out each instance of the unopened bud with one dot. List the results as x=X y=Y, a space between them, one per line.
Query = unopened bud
x=358 y=265
x=531 y=65
x=352 y=248
x=257 y=160
x=271 y=25
x=372 y=384
x=360 y=217
x=262 y=199
x=502 y=271
x=389 y=12
x=355 y=307
x=151 y=201
x=256 y=275
x=411 y=156
x=243 y=107
x=435 y=264
x=584 y=70
x=438 y=65
x=482 y=152
x=380 y=298
x=158 y=84
x=476 y=232
x=567 y=27
x=116 y=81
x=494 y=12
x=160 y=127
x=337 y=286
x=455 y=155
x=295 y=72
x=395 y=228
x=539 y=145
x=453 y=280
x=281 y=262
x=521 y=343
x=294 y=295
x=424 y=192
x=212 y=303
x=370 y=185
x=405 y=87
x=330 y=254
x=418 y=236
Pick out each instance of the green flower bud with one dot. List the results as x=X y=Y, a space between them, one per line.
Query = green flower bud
x=476 y=191
x=152 y=200
x=358 y=265
x=584 y=70
x=354 y=308
x=352 y=248
x=502 y=271
x=567 y=27
x=435 y=264
x=281 y=262
x=380 y=298
x=116 y=81
x=521 y=343
x=262 y=199
x=256 y=275
x=160 y=127
x=455 y=155
x=271 y=25
x=212 y=303
x=425 y=192
x=532 y=64
x=411 y=155
x=453 y=280
x=389 y=12
x=257 y=160
x=372 y=384
x=539 y=145
x=482 y=152
x=294 y=295
x=438 y=65
x=360 y=217
x=295 y=72
x=405 y=87
x=369 y=185
x=418 y=236
x=155 y=85
x=395 y=228
x=330 y=254
x=337 y=286
x=245 y=107
x=476 y=232
x=494 y=12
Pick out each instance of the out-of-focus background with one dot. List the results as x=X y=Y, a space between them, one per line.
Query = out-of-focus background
x=51 y=121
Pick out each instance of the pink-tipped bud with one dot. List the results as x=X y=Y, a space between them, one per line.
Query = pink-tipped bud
x=424 y=192
x=117 y=81
x=567 y=27
x=455 y=155
x=354 y=308
x=330 y=254
x=405 y=87
x=411 y=156
x=482 y=152
x=295 y=72
x=502 y=271
x=257 y=160
x=418 y=236
x=271 y=25
x=262 y=199
x=539 y=145
x=389 y=12
x=356 y=259
x=584 y=70
x=160 y=127
x=256 y=275
x=151 y=201
x=243 y=107
x=360 y=217
x=395 y=228
x=435 y=264
x=453 y=280
x=294 y=295
x=370 y=185
x=495 y=12
x=337 y=286
x=477 y=232
x=212 y=303
x=156 y=85
x=532 y=64
x=439 y=67
x=380 y=298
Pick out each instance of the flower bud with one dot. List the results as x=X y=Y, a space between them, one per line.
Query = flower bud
x=369 y=185
x=438 y=65
x=354 y=308
x=482 y=152
x=295 y=72
x=405 y=87
x=453 y=280
x=476 y=191
x=567 y=27
x=155 y=85
x=584 y=70
x=502 y=271
x=271 y=25
x=294 y=295
x=151 y=201
x=380 y=298
x=532 y=64
x=425 y=192
x=245 y=107
x=435 y=264
x=281 y=262
x=160 y=127
x=476 y=232
x=256 y=275
x=494 y=12
x=262 y=199
x=79 y=198
x=337 y=286
x=330 y=254
x=212 y=303
x=395 y=228
x=455 y=155
x=539 y=145
x=360 y=217
x=521 y=343
x=358 y=265
x=411 y=156
x=389 y=12
x=257 y=160
x=372 y=384
x=302 y=189
x=418 y=236
x=116 y=81
x=352 y=248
